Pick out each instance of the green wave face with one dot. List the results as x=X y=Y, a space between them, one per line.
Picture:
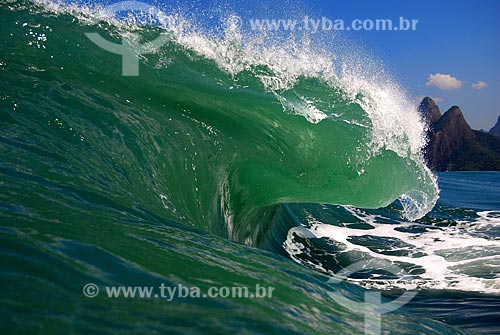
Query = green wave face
x=140 y=180
x=211 y=139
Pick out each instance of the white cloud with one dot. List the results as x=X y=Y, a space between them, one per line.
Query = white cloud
x=479 y=85
x=444 y=81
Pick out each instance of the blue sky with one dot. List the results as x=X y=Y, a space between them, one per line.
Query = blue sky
x=458 y=42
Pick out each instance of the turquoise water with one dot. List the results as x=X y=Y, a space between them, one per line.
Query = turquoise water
x=222 y=164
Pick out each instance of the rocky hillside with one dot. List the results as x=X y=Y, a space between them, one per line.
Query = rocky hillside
x=496 y=128
x=453 y=145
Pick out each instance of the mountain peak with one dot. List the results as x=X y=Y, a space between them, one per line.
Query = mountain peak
x=449 y=133
x=429 y=110
x=496 y=128
x=454 y=122
x=454 y=110
x=453 y=145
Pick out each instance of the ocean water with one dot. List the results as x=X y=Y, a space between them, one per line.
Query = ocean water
x=230 y=160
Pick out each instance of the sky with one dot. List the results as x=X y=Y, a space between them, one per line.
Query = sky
x=452 y=56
